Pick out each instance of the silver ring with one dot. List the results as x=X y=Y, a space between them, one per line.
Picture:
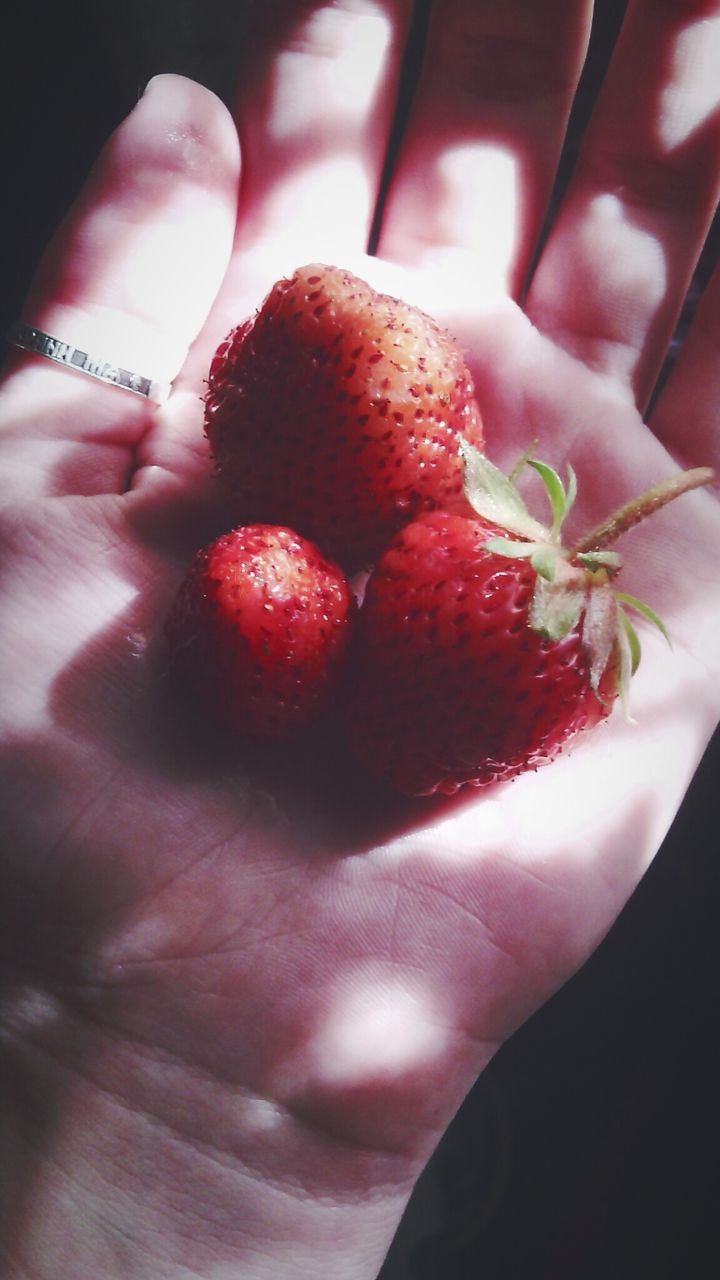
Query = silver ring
x=28 y=338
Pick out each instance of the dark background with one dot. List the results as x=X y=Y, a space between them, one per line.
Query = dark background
x=589 y=1148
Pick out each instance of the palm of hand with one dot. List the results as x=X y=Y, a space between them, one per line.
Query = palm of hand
x=271 y=919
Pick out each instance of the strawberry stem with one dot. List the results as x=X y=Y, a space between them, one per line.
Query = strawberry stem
x=627 y=516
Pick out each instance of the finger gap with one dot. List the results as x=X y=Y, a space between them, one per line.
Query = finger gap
x=606 y=23
x=707 y=262
x=407 y=83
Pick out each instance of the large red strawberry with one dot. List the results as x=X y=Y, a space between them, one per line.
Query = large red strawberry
x=339 y=411
x=484 y=647
x=259 y=629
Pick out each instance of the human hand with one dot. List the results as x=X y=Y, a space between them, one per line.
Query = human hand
x=243 y=999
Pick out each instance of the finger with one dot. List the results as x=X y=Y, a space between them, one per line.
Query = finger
x=616 y=267
x=316 y=96
x=483 y=141
x=129 y=277
x=686 y=416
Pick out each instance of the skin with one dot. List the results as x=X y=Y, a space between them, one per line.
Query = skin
x=244 y=994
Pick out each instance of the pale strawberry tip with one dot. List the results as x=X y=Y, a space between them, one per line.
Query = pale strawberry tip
x=338 y=410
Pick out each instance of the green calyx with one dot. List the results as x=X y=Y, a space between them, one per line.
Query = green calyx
x=575 y=583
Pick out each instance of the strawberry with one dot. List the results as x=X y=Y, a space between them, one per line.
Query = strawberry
x=484 y=647
x=259 y=628
x=339 y=411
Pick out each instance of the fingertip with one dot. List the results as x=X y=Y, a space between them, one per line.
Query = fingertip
x=186 y=125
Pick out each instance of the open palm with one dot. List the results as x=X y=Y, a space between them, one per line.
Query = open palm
x=258 y=970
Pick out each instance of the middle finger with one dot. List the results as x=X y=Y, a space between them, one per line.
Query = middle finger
x=481 y=150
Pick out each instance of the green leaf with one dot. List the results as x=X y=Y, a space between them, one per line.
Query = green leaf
x=544 y=561
x=629 y=647
x=625 y=672
x=494 y=497
x=644 y=609
x=601 y=560
x=555 y=608
x=543 y=558
x=599 y=631
x=508 y=547
x=632 y=639
x=572 y=488
x=555 y=491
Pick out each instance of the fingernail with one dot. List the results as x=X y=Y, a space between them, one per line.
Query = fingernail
x=163 y=75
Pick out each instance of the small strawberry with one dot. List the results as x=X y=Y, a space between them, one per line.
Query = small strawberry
x=339 y=411
x=484 y=646
x=259 y=628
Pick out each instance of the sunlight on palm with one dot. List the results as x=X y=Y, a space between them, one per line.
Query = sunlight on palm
x=280 y=880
